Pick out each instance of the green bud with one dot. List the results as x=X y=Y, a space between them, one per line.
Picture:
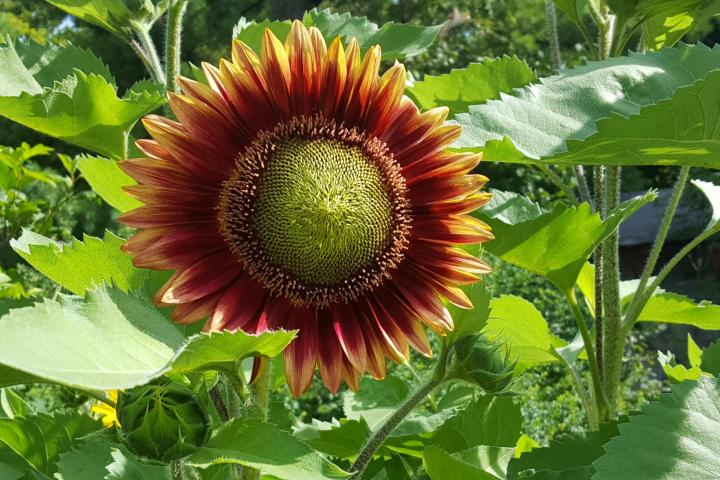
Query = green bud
x=163 y=421
x=484 y=363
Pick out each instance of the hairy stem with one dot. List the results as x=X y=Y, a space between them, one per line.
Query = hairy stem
x=598 y=392
x=598 y=187
x=149 y=52
x=403 y=410
x=261 y=393
x=657 y=247
x=613 y=340
x=553 y=34
x=217 y=400
x=583 y=185
x=173 y=42
x=590 y=411
x=559 y=182
x=377 y=439
x=629 y=322
x=144 y=58
x=176 y=470
x=430 y=398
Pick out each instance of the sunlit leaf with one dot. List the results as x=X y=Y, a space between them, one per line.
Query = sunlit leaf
x=397 y=40
x=473 y=85
x=673 y=308
x=675 y=437
x=517 y=323
x=478 y=463
x=96 y=459
x=539 y=242
x=108 y=180
x=267 y=448
x=592 y=114
x=112 y=340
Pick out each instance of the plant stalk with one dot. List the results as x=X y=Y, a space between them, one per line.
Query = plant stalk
x=629 y=322
x=553 y=34
x=598 y=392
x=378 y=438
x=657 y=247
x=403 y=410
x=150 y=53
x=555 y=178
x=583 y=185
x=613 y=340
x=590 y=412
x=173 y=42
x=598 y=187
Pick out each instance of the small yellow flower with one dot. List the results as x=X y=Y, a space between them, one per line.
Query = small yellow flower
x=106 y=412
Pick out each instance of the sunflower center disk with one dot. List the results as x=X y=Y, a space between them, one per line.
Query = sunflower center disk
x=316 y=212
x=321 y=210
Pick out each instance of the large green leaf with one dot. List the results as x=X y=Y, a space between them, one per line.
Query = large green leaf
x=113 y=340
x=470 y=321
x=581 y=115
x=40 y=439
x=489 y=420
x=674 y=308
x=666 y=30
x=516 y=322
x=263 y=446
x=397 y=40
x=477 y=83
x=478 y=463
x=81 y=265
x=31 y=67
x=676 y=437
x=112 y=15
x=98 y=459
x=107 y=180
x=82 y=109
x=538 y=242
x=568 y=457
x=342 y=439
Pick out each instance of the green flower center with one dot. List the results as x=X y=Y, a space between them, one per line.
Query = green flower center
x=316 y=212
x=321 y=210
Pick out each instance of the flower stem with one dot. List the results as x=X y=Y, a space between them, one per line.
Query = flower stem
x=630 y=321
x=378 y=438
x=657 y=247
x=590 y=411
x=613 y=340
x=553 y=34
x=407 y=406
x=173 y=42
x=598 y=392
x=598 y=187
x=149 y=53
x=559 y=182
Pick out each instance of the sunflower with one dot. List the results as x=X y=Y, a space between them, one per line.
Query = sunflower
x=301 y=190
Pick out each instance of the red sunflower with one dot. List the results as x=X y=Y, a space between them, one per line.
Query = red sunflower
x=301 y=190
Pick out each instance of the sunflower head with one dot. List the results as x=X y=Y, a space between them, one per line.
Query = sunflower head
x=301 y=189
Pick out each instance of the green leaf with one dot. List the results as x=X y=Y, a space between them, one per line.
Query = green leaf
x=397 y=40
x=13 y=405
x=666 y=30
x=75 y=343
x=489 y=420
x=251 y=32
x=96 y=459
x=30 y=67
x=592 y=114
x=573 y=9
x=265 y=447
x=478 y=463
x=538 y=242
x=40 y=439
x=711 y=359
x=82 y=109
x=81 y=265
x=112 y=15
x=107 y=180
x=342 y=439
x=476 y=84
x=568 y=457
x=469 y=321
x=515 y=321
x=675 y=437
x=678 y=309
